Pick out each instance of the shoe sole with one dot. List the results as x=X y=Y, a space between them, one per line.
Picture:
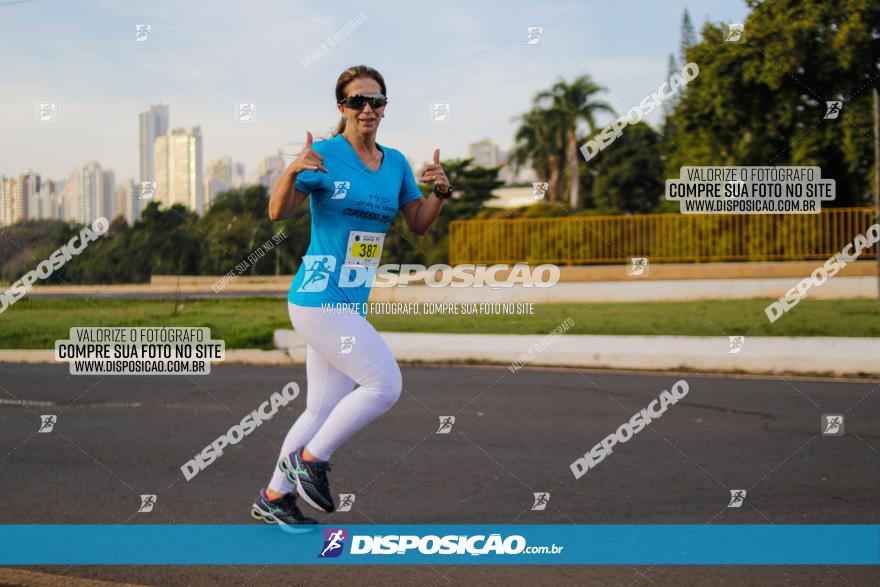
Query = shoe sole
x=287 y=468
x=269 y=518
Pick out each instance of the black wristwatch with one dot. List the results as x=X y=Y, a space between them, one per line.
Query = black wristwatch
x=441 y=195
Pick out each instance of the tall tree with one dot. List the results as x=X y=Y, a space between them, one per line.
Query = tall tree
x=688 y=36
x=575 y=103
x=540 y=142
x=844 y=37
x=629 y=173
x=669 y=104
x=763 y=102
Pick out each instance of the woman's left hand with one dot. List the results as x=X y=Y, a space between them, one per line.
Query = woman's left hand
x=434 y=173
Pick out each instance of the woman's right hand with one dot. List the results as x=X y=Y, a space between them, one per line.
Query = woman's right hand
x=308 y=160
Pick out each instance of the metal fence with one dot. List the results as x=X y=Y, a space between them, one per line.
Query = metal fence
x=582 y=240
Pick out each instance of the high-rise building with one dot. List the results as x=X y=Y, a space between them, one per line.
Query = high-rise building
x=6 y=202
x=67 y=200
x=106 y=195
x=269 y=170
x=222 y=175
x=92 y=194
x=153 y=123
x=17 y=198
x=484 y=153
x=47 y=200
x=31 y=185
x=128 y=201
x=3 y=180
x=177 y=158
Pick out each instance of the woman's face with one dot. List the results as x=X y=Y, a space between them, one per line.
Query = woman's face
x=365 y=120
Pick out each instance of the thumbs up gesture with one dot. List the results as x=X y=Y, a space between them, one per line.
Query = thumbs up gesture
x=433 y=173
x=309 y=159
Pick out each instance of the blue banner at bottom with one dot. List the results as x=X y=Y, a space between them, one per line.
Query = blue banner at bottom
x=437 y=544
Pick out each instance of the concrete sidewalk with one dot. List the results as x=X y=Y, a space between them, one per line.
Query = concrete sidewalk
x=803 y=355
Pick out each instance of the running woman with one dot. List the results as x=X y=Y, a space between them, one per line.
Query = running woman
x=356 y=187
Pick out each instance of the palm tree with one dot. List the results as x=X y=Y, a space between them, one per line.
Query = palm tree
x=539 y=142
x=574 y=103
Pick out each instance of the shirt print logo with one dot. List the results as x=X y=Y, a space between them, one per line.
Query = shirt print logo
x=342 y=188
x=317 y=272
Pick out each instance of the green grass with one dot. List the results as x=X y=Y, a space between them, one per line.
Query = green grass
x=250 y=322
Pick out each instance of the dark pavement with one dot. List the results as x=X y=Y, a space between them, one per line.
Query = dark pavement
x=514 y=434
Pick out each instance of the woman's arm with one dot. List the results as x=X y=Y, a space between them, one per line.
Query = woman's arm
x=285 y=198
x=420 y=214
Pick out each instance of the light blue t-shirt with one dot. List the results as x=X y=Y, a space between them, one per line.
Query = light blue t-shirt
x=351 y=209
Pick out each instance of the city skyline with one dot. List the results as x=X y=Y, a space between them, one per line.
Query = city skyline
x=204 y=63
x=179 y=174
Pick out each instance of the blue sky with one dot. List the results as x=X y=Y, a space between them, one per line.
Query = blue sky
x=201 y=58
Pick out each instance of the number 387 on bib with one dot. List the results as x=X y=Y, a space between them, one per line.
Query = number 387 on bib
x=364 y=248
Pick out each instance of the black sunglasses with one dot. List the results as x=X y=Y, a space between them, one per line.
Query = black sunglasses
x=358 y=101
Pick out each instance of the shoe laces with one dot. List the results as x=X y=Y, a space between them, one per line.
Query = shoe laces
x=321 y=470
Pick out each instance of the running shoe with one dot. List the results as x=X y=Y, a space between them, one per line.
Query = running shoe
x=282 y=511
x=311 y=480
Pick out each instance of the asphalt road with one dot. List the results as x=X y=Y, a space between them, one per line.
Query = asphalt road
x=514 y=434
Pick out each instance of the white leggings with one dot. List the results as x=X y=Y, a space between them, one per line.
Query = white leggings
x=333 y=411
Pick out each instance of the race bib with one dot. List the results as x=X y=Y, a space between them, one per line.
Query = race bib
x=364 y=248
